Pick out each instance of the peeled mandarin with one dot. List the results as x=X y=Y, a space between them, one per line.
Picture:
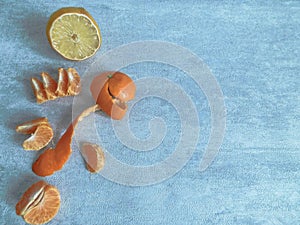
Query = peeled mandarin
x=39 y=204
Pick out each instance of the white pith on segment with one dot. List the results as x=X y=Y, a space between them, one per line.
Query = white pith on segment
x=36 y=198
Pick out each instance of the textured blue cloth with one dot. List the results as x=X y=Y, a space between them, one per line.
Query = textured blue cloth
x=252 y=48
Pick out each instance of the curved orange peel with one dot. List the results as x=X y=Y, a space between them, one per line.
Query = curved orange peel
x=53 y=160
x=111 y=91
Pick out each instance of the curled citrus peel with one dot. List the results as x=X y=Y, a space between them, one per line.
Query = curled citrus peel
x=111 y=90
x=53 y=160
x=39 y=204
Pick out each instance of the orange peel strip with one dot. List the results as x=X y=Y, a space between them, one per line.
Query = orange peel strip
x=53 y=160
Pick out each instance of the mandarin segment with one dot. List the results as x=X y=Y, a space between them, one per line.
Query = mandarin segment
x=29 y=197
x=93 y=156
x=47 y=209
x=73 y=82
x=30 y=127
x=62 y=87
x=39 y=204
x=40 y=138
x=50 y=86
x=38 y=90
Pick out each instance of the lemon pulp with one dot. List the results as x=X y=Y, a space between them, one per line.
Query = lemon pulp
x=74 y=36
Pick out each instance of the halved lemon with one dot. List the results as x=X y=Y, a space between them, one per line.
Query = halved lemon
x=73 y=33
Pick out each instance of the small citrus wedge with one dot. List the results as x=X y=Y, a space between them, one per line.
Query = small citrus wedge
x=93 y=156
x=39 y=204
x=30 y=127
x=39 y=139
x=73 y=33
x=39 y=91
x=73 y=82
x=50 y=86
x=62 y=87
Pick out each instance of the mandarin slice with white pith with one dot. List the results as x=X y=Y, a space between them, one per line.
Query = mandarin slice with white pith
x=39 y=139
x=39 y=204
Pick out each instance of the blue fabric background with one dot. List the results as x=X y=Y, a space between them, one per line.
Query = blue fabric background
x=252 y=47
